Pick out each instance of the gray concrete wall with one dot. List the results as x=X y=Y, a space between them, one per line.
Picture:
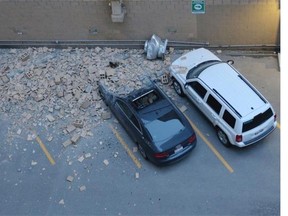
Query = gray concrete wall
x=224 y=22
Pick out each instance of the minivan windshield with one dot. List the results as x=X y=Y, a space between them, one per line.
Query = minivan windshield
x=257 y=120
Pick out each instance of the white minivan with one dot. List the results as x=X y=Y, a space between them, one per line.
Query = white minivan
x=239 y=112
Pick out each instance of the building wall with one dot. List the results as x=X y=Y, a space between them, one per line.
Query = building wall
x=224 y=22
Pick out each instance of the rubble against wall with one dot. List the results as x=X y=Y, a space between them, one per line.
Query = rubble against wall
x=45 y=86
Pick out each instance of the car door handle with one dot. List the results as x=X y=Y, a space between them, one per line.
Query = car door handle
x=214 y=116
x=198 y=100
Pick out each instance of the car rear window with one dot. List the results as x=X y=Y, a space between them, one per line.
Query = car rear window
x=257 y=120
x=165 y=126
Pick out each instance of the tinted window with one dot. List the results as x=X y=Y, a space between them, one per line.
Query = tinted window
x=229 y=119
x=257 y=120
x=126 y=110
x=214 y=104
x=199 y=89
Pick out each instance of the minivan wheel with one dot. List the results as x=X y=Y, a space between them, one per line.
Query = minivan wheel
x=223 y=138
x=178 y=88
x=142 y=151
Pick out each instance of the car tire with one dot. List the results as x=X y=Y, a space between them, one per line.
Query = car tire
x=177 y=87
x=142 y=152
x=223 y=137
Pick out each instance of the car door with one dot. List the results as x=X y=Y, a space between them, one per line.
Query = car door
x=128 y=120
x=199 y=94
x=196 y=93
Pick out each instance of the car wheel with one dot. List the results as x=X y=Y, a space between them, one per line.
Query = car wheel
x=142 y=151
x=223 y=138
x=178 y=88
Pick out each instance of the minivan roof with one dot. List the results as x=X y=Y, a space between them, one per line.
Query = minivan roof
x=235 y=90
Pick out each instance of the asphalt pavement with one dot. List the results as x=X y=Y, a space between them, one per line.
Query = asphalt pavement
x=99 y=177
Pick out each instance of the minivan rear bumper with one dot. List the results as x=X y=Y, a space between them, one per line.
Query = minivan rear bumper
x=258 y=138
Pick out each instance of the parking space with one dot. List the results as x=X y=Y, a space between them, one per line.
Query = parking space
x=103 y=172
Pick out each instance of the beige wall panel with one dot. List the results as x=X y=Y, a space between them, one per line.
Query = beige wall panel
x=224 y=22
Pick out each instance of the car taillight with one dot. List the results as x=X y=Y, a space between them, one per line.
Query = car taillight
x=191 y=139
x=275 y=117
x=161 y=155
x=238 y=138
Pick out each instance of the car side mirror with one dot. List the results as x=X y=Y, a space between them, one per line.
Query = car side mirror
x=230 y=62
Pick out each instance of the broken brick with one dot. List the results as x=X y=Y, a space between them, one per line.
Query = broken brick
x=78 y=123
x=67 y=143
x=70 y=178
x=75 y=138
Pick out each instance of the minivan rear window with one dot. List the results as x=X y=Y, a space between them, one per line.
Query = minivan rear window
x=257 y=120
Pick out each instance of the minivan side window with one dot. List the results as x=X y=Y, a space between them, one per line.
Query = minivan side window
x=199 y=89
x=229 y=119
x=214 y=104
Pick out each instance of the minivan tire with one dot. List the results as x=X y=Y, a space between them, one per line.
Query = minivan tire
x=177 y=87
x=223 y=137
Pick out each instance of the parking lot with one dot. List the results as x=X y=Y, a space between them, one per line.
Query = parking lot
x=102 y=173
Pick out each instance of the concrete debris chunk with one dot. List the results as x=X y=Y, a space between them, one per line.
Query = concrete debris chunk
x=110 y=72
x=89 y=88
x=50 y=118
x=57 y=80
x=70 y=178
x=24 y=57
x=29 y=74
x=85 y=104
x=88 y=155
x=106 y=115
x=61 y=202
x=78 y=123
x=165 y=79
x=39 y=97
x=183 y=108
x=81 y=158
x=50 y=138
x=33 y=163
x=67 y=143
x=137 y=175
x=60 y=92
x=31 y=137
x=106 y=162
x=5 y=79
x=70 y=128
x=82 y=188
x=68 y=97
x=75 y=138
x=135 y=149
x=102 y=75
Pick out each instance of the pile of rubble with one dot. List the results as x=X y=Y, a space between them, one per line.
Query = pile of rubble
x=45 y=86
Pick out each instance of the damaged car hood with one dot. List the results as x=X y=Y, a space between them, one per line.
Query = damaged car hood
x=183 y=64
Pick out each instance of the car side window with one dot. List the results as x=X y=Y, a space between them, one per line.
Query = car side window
x=214 y=104
x=199 y=89
x=229 y=119
x=126 y=110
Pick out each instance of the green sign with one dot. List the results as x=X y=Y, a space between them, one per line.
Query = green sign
x=198 y=6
